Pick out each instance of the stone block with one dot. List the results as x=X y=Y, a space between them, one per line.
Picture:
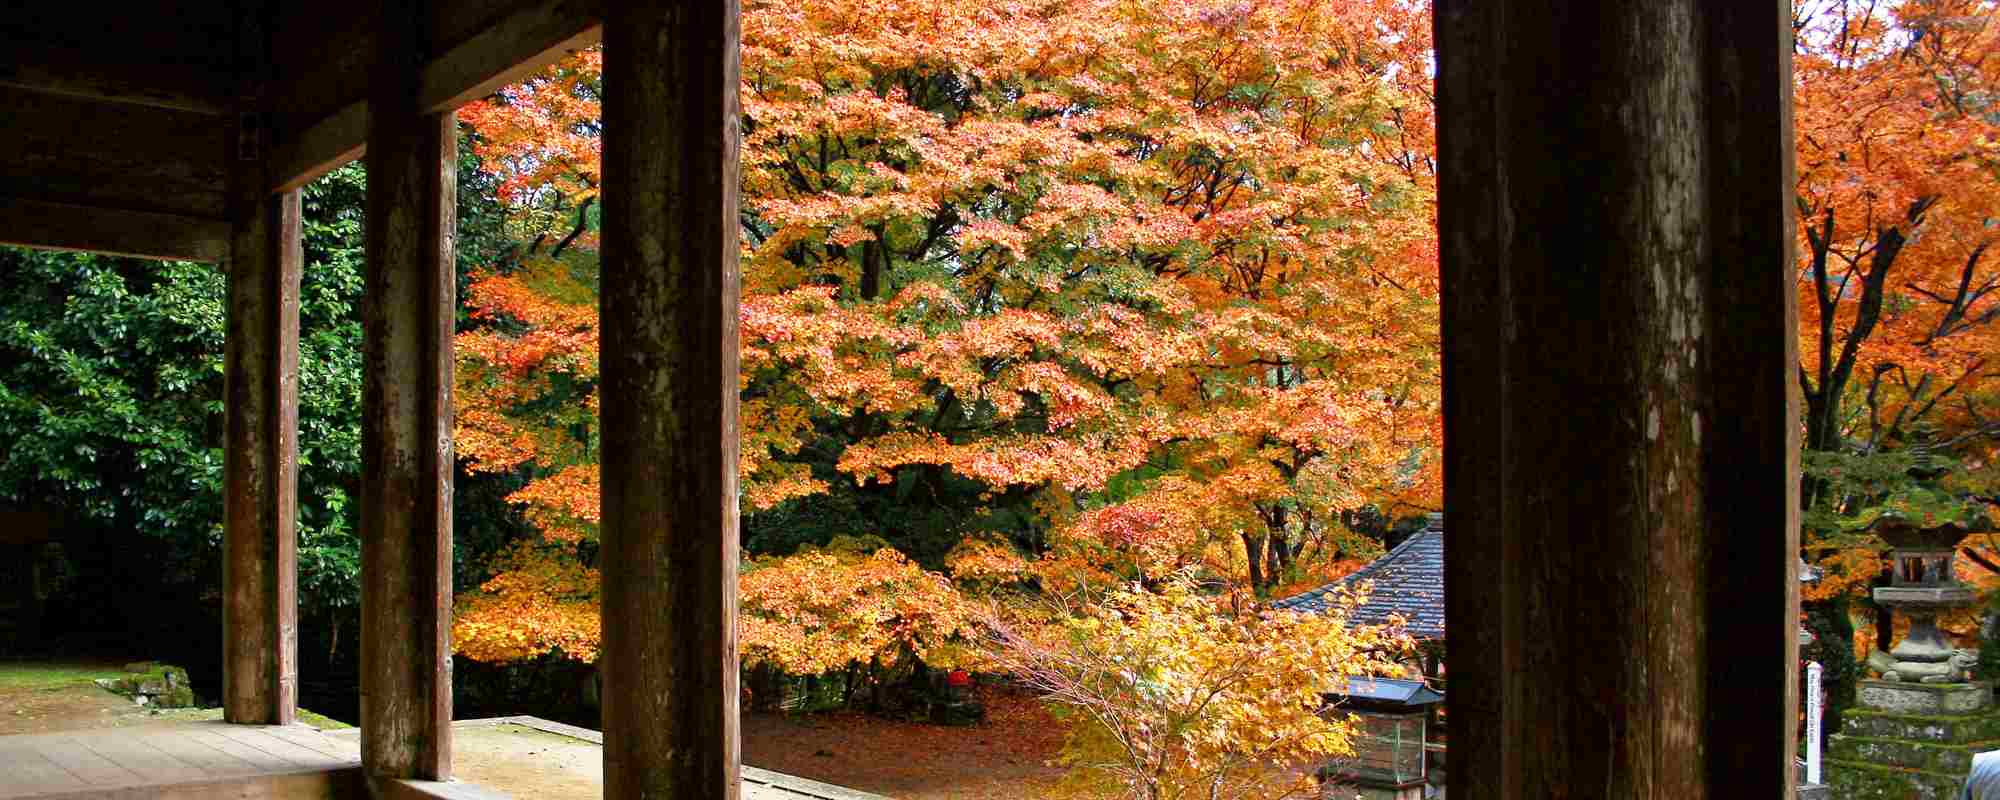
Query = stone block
x=1814 y=791
x=1941 y=597
x=1936 y=728
x=1925 y=698
x=1863 y=781
x=1948 y=759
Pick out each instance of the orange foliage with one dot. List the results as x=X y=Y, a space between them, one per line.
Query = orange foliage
x=823 y=610
x=1898 y=151
x=1106 y=252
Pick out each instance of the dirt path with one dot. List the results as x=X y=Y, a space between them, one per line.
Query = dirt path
x=1004 y=758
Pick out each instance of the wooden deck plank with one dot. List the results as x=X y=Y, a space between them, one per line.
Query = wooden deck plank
x=258 y=737
x=81 y=761
x=197 y=761
x=129 y=750
x=184 y=744
x=260 y=760
x=30 y=772
x=314 y=740
x=310 y=785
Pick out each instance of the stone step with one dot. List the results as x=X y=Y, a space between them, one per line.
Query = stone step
x=1850 y=780
x=1948 y=759
x=1939 y=728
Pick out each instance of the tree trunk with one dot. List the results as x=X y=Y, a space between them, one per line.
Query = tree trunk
x=1253 y=555
x=874 y=262
x=1281 y=546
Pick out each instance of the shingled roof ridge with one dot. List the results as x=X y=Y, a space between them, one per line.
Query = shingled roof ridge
x=1385 y=561
x=1407 y=582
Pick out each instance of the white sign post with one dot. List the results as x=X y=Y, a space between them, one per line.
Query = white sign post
x=1814 y=708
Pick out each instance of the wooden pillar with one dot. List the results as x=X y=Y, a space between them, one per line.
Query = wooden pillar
x=406 y=471
x=1620 y=416
x=260 y=459
x=669 y=392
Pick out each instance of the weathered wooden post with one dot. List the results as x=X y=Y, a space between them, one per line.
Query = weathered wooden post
x=669 y=393
x=1620 y=403
x=260 y=451
x=408 y=312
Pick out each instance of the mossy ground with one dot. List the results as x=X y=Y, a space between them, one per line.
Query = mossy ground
x=1855 y=781
x=41 y=696
x=36 y=676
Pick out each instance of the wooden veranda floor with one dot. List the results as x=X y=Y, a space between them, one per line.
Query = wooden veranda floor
x=196 y=759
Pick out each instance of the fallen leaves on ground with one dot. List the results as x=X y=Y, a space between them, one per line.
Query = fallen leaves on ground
x=1002 y=758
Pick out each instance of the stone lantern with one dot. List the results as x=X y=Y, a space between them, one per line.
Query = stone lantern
x=1389 y=757
x=1924 y=583
x=1915 y=729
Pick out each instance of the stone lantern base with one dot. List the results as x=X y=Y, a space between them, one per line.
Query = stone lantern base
x=1911 y=740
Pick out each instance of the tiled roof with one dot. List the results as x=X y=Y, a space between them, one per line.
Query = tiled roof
x=1408 y=582
x=1391 y=690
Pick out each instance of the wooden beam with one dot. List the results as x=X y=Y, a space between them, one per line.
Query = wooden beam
x=145 y=234
x=260 y=462
x=320 y=148
x=157 y=85
x=517 y=46
x=409 y=306
x=514 y=47
x=1621 y=472
x=670 y=279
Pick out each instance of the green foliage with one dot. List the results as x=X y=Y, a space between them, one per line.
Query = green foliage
x=111 y=390
x=1858 y=489
x=1833 y=648
x=110 y=394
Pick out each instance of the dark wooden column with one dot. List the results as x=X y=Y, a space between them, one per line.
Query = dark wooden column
x=1620 y=417
x=260 y=459
x=406 y=470
x=669 y=363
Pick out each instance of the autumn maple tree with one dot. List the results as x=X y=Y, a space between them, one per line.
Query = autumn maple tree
x=1897 y=119
x=1095 y=259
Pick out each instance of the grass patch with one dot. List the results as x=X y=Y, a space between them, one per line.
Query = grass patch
x=321 y=721
x=40 y=676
